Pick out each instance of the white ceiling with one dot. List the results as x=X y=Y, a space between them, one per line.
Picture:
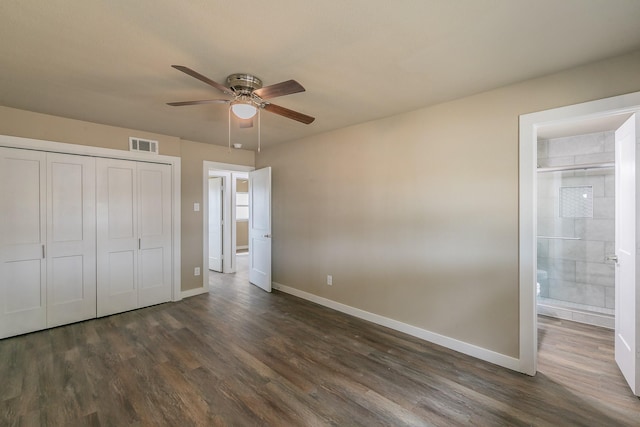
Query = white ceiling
x=110 y=61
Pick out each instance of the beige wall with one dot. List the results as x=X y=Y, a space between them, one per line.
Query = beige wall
x=416 y=216
x=242 y=233
x=242 y=186
x=41 y=126
x=242 y=227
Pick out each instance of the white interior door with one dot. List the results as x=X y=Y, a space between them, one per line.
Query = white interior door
x=22 y=241
x=154 y=233
x=260 y=228
x=117 y=236
x=215 y=223
x=71 y=239
x=626 y=309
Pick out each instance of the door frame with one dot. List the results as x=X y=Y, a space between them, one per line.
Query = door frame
x=223 y=207
x=527 y=250
x=226 y=227
x=86 y=150
x=228 y=171
x=233 y=244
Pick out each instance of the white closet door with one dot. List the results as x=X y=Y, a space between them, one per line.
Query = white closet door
x=117 y=236
x=71 y=231
x=22 y=241
x=154 y=225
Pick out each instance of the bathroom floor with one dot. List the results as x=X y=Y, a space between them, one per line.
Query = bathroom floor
x=580 y=358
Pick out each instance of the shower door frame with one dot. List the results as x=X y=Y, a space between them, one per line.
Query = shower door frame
x=529 y=125
x=568 y=307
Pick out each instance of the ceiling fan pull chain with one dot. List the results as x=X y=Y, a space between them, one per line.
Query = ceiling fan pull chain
x=259 y=130
x=229 y=122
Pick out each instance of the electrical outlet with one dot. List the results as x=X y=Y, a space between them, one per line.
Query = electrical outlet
x=196 y=271
x=329 y=280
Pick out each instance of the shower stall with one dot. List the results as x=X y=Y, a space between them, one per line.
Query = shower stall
x=576 y=228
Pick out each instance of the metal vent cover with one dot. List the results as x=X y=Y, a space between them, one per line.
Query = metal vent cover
x=143 y=145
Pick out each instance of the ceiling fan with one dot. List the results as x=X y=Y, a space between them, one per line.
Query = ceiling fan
x=248 y=95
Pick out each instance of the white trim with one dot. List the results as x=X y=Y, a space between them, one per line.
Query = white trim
x=230 y=239
x=529 y=124
x=177 y=231
x=193 y=292
x=85 y=150
x=453 y=344
x=527 y=250
x=228 y=167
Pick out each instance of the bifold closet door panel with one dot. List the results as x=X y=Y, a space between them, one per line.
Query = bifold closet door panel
x=117 y=236
x=71 y=239
x=154 y=227
x=22 y=241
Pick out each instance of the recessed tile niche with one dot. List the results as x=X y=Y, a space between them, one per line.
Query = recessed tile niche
x=576 y=202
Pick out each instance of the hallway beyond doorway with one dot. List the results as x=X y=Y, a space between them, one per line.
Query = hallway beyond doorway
x=241 y=275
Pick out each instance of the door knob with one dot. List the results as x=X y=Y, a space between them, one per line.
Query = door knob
x=613 y=258
x=268 y=236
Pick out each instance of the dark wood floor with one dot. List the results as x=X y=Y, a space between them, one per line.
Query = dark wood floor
x=240 y=356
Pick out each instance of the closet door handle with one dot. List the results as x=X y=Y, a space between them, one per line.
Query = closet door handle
x=43 y=252
x=139 y=243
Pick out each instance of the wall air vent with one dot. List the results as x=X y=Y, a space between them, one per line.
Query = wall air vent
x=143 y=145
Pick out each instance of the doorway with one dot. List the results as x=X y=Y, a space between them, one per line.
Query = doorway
x=604 y=116
x=575 y=276
x=256 y=208
x=223 y=244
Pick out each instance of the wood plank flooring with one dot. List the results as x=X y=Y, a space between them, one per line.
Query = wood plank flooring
x=243 y=357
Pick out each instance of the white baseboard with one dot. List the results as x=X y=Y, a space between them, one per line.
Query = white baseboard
x=453 y=344
x=194 y=292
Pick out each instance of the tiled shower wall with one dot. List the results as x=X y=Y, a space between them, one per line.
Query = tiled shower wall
x=575 y=271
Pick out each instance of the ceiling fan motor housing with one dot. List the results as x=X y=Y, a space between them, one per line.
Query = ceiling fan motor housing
x=243 y=84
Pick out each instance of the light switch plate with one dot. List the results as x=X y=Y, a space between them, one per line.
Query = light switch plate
x=196 y=207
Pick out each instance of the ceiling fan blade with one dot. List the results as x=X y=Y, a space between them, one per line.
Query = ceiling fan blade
x=204 y=101
x=290 y=114
x=202 y=78
x=279 y=89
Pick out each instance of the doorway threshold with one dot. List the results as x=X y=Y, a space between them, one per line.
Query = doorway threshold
x=553 y=309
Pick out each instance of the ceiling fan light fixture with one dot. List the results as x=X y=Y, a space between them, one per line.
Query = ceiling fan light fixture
x=243 y=110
